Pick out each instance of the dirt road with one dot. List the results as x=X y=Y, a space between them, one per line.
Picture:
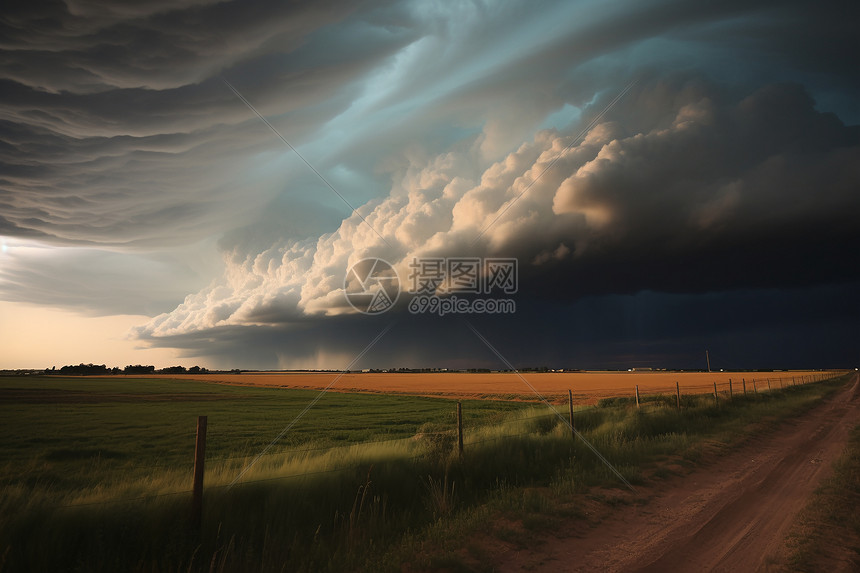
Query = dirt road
x=730 y=516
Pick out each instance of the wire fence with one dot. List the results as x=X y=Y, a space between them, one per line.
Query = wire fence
x=719 y=390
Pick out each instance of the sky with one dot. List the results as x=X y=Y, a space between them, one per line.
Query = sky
x=191 y=182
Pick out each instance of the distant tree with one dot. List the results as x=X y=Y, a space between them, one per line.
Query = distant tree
x=138 y=369
x=85 y=370
x=173 y=370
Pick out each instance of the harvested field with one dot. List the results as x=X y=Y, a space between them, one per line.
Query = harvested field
x=587 y=387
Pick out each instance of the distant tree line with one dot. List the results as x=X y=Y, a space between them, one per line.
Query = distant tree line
x=183 y=370
x=102 y=370
x=86 y=370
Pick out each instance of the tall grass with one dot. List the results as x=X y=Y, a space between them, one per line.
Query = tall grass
x=826 y=534
x=354 y=506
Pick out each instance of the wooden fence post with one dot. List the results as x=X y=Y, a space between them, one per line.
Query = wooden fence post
x=731 y=394
x=768 y=384
x=637 y=395
x=755 y=388
x=744 y=380
x=716 y=398
x=460 y=427
x=570 y=403
x=678 y=394
x=199 y=463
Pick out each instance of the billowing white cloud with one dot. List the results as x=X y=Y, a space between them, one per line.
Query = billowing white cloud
x=707 y=173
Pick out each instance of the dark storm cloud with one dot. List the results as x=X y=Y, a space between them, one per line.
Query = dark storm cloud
x=731 y=164
x=754 y=194
x=118 y=113
x=158 y=150
x=767 y=328
x=85 y=47
x=712 y=194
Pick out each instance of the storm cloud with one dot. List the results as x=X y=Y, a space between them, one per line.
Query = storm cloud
x=729 y=166
x=715 y=195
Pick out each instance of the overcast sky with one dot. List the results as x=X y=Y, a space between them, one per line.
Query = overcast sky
x=671 y=177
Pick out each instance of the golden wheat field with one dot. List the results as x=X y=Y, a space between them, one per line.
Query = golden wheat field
x=587 y=387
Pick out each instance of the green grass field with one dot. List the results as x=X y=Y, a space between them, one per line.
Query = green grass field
x=96 y=472
x=83 y=432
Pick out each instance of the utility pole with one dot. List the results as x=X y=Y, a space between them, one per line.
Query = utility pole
x=708 y=359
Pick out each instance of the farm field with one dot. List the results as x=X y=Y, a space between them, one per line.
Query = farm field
x=57 y=428
x=96 y=472
x=587 y=387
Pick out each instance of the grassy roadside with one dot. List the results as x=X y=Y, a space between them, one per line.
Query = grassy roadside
x=826 y=535
x=377 y=506
x=648 y=444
